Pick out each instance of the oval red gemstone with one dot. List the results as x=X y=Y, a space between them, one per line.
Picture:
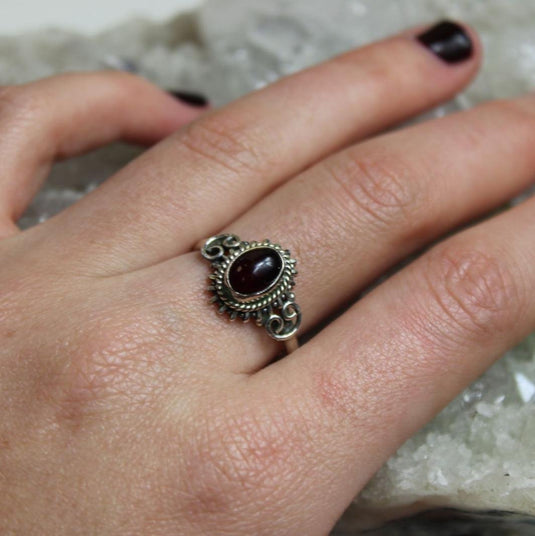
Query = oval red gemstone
x=254 y=271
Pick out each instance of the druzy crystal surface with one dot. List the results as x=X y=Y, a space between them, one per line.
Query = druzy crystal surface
x=479 y=453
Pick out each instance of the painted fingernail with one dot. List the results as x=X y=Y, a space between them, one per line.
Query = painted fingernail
x=448 y=41
x=188 y=97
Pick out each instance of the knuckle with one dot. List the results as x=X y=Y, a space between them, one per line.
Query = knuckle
x=517 y=114
x=474 y=287
x=225 y=141
x=240 y=458
x=376 y=187
x=113 y=362
x=519 y=111
x=120 y=84
x=18 y=103
x=371 y=65
x=120 y=79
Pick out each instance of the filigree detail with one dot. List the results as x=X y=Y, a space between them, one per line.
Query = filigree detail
x=275 y=308
x=215 y=248
x=284 y=325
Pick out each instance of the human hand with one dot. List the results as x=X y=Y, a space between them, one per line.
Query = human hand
x=130 y=407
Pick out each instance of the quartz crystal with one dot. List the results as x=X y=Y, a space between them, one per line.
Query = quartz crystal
x=479 y=453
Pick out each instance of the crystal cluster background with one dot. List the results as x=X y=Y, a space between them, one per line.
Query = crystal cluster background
x=479 y=453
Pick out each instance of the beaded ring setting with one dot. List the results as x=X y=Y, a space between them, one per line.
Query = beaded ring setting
x=254 y=281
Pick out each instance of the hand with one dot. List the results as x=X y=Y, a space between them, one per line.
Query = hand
x=130 y=407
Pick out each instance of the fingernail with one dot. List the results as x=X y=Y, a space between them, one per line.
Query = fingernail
x=448 y=41
x=193 y=99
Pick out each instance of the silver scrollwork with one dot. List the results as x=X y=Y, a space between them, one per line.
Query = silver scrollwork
x=274 y=308
x=216 y=248
x=284 y=326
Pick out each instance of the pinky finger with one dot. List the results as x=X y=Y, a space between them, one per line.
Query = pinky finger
x=69 y=114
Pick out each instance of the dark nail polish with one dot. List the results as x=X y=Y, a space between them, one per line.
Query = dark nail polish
x=448 y=41
x=193 y=99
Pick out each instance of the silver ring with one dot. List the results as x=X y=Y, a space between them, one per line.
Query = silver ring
x=254 y=281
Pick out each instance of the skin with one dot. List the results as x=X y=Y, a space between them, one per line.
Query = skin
x=130 y=407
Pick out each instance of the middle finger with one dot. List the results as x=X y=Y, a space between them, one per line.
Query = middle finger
x=356 y=214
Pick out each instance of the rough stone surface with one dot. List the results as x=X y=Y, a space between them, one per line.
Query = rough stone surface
x=479 y=452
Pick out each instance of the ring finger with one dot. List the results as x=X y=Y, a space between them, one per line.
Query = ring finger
x=354 y=215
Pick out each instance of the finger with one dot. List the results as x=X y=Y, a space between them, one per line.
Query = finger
x=395 y=359
x=204 y=177
x=62 y=116
x=377 y=202
x=353 y=216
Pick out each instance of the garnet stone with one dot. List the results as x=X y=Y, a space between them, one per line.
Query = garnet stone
x=254 y=271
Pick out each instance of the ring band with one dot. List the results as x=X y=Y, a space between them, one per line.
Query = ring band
x=254 y=280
